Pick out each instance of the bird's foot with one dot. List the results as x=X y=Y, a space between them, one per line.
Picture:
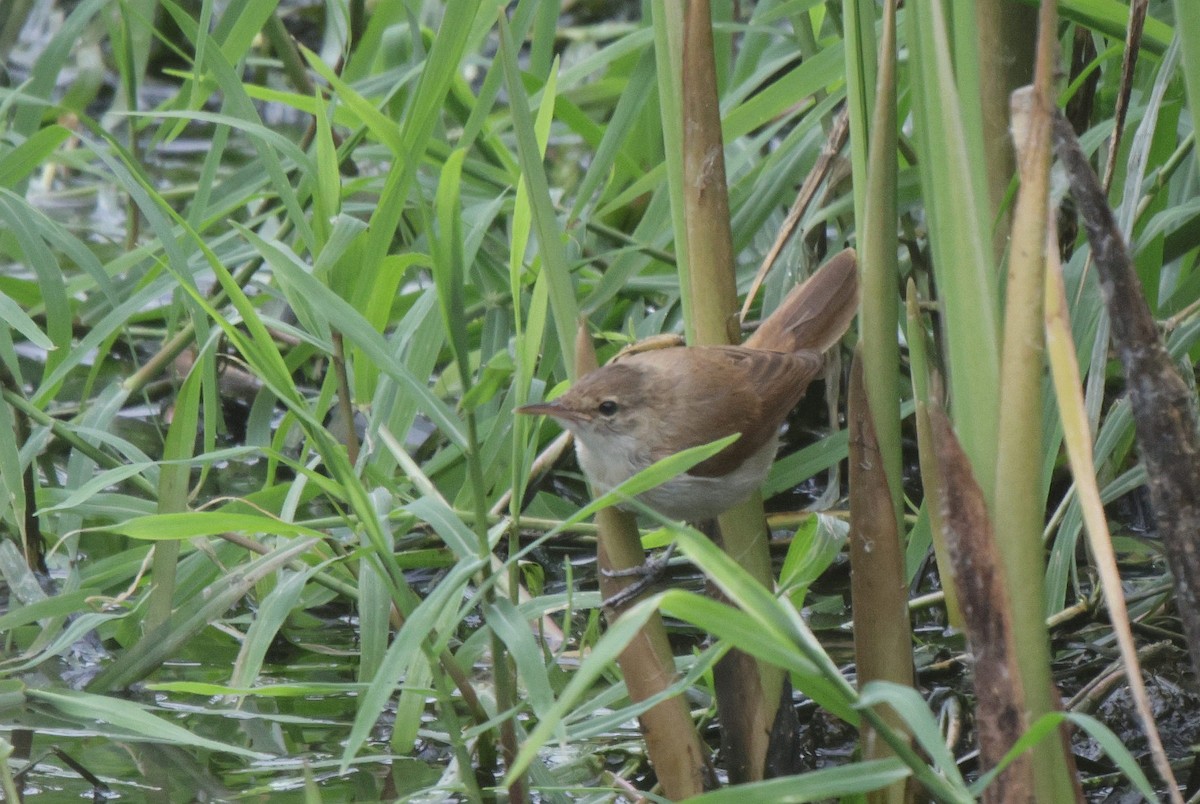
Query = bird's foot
x=646 y=574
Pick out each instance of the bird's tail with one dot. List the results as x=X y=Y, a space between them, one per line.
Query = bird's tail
x=816 y=314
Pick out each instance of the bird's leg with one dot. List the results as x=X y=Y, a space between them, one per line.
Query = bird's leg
x=647 y=575
x=652 y=567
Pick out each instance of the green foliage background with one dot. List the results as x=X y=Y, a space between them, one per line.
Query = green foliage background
x=391 y=227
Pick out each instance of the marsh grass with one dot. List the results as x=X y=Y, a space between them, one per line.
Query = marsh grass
x=270 y=304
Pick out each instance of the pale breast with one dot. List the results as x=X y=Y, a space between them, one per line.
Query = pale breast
x=687 y=496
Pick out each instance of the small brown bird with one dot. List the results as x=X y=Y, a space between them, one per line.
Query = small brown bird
x=645 y=406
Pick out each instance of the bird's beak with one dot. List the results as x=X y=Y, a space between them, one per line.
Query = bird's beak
x=552 y=409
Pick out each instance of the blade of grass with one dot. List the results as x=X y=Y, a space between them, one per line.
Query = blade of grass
x=880 y=309
x=959 y=239
x=1064 y=368
x=861 y=65
x=400 y=654
x=419 y=121
x=173 y=481
x=545 y=223
x=157 y=645
x=134 y=718
x=1187 y=28
x=44 y=76
x=774 y=618
x=840 y=783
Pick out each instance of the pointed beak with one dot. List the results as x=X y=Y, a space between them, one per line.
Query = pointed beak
x=552 y=409
x=540 y=409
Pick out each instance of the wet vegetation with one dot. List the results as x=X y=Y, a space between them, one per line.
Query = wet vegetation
x=275 y=277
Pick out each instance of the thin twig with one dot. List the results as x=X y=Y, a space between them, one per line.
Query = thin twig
x=804 y=198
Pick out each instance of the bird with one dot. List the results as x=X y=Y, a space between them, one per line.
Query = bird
x=645 y=406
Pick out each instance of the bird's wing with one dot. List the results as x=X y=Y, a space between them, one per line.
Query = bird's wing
x=755 y=391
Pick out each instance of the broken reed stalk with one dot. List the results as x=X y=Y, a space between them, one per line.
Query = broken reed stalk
x=986 y=611
x=1162 y=403
x=679 y=756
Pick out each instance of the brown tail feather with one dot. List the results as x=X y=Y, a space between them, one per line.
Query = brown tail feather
x=816 y=314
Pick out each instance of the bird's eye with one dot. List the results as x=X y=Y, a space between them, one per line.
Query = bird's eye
x=608 y=407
